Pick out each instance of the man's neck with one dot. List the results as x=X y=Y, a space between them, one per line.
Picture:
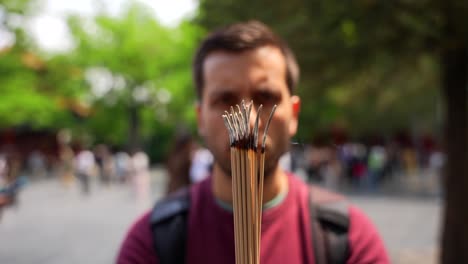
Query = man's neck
x=273 y=185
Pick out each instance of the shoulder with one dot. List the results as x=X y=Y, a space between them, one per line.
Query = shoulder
x=365 y=242
x=137 y=246
x=321 y=195
x=318 y=194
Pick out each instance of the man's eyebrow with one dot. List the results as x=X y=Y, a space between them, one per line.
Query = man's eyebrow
x=222 y=90
x=265 y=85
x=266 y=88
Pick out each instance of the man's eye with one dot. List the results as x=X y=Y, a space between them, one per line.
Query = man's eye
x=266 y=98
x=225 y=100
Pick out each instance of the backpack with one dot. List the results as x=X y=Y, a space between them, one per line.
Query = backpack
x=329 y=226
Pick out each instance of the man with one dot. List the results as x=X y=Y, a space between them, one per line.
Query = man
x=247 y=61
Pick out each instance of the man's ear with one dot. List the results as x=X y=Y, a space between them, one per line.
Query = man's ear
x=296 y=108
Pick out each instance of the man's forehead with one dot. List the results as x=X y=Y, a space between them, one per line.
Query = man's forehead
x=226 y=56
x=224 y=71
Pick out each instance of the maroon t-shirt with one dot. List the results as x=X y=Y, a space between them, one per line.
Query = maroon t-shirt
x=285 y=232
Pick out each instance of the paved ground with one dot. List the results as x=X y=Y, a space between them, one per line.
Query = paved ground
x=54 y=225
x=409 y=226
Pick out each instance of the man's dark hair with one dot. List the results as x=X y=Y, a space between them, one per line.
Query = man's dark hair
x=242 y=37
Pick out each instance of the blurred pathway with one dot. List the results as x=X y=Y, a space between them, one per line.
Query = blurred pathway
x=409 y=226
x=54 y=225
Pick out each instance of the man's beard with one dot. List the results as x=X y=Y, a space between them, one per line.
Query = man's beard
x=273 y=154
x=271 y=162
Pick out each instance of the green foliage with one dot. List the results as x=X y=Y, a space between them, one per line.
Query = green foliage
x=145 y=65
x=31 y=87
x=16 y=6
x=117 y=64
x=370 y=66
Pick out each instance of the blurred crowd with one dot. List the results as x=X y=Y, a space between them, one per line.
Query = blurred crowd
x=369 y=168
x=86 y=166
x=413 y=166
x=347 y=166
x=101 y=166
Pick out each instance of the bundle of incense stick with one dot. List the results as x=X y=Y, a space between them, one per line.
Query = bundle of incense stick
x=247 y=169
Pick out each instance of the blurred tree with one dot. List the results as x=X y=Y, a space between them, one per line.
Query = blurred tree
x=361 y=90
x=37 y=91
x=20 y=71
x=137 y=70
x=379 y=53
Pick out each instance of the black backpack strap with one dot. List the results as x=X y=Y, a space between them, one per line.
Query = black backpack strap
x=329 y=214
x=329 y=222
x=319 y=247
x=169 y=227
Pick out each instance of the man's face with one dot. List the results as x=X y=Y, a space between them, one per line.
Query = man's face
x=258 y=75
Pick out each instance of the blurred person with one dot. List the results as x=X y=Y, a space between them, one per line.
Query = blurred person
x=37 y=164
x=425 y=147
x=3 y=169
x=179 y=161
x=298 y=161
x=285 y=162
x=359 y=165
x=66 y=158
x=140 y=176
x=346 y=159
x=248 y=61
x=14 y=165
x=376 y=164
x=5 y=200
x=332 y=170
x=410 y=161
x=297 y=157
x=202 y=164
x=123 y=165
x=66 y=164
x=436 y=164
x=9 y=190
x=393 y=161
x=10 y=179
x=314 y=159
x=84 y=166
x=105 y=164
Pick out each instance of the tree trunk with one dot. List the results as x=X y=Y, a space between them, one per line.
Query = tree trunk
x=454 y=86
x=133 y=126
